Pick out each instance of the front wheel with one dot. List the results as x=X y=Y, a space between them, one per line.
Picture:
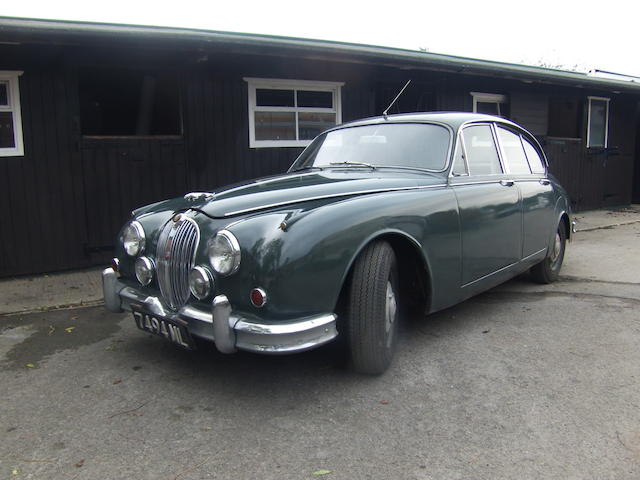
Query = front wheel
x=548 y=270
x=373 y=309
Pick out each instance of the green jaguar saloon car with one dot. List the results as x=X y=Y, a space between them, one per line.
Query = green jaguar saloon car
x=424 y=209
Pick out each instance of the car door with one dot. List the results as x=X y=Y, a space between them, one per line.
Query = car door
x=524 y=162
x=488 y=203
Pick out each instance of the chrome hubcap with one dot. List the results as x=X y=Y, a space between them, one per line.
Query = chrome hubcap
x=557 y=246
x=391 y=308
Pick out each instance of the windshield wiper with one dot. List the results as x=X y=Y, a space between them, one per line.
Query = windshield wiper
x=306 y=168
x=355 y=164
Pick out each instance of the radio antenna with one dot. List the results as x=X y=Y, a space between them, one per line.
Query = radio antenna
x=384 y=114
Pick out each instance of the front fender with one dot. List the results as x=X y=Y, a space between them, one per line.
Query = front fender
x=302 y=257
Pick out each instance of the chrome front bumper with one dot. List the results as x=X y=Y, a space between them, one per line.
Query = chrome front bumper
x=227 y=329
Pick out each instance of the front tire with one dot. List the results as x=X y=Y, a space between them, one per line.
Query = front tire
x=548 y=270
x=373 y=309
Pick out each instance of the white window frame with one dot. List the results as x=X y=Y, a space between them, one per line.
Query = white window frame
x=281 y=84
x=13 y=97
x=606 y=121
x=481 y=97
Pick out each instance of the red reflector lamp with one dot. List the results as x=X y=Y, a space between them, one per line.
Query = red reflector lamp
x=258 y=297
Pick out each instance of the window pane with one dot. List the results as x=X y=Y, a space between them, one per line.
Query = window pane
x=514 y=153
x=128 y=102
x=313 y=124
x=275 y=125
x=597 y=125
x=4 y=94
x=537 y=166
x=482 y=155
x=410 y=145
x=490 y=108
x=274 y=98
x=7 y=139
x=315 y=99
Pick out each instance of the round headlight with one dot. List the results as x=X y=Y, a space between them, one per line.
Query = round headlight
x=224 y=253
x=144 y=270
x=133 y=239
x=200 y=283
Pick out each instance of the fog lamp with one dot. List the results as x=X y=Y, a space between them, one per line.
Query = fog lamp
x=144 y=268
x=200 y=283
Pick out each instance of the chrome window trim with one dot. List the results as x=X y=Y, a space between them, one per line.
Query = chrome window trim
x=539 y=150
x=448 y=158
x=503 y=152
x=474 y=123
x=459 y=142
x=501 y=158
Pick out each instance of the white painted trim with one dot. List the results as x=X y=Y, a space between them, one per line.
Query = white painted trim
x=606 y=121
x=12 y=80
x=488 y=98
x=289 y=84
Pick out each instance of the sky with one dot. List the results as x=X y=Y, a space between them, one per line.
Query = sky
x=579 y=35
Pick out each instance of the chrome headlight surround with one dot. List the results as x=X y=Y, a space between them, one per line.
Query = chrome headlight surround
x=133 y=239
x=200 y=282
x=223 y=251
x=145 y=270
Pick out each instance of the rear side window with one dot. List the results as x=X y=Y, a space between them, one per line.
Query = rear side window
x=482 y=155
x=513 y=151
x=537 y=165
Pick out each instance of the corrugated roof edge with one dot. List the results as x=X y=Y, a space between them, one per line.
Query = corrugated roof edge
x=374 y=54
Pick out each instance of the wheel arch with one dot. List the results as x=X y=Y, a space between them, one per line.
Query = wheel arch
x=413 y=266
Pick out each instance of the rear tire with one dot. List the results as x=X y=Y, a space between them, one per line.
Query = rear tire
x=548 y=270
x=373 y=309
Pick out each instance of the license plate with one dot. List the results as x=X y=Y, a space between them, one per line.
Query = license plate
x=169 y=329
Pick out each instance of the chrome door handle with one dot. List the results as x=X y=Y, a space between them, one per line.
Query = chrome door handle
x=544 y=181
x=507 y=183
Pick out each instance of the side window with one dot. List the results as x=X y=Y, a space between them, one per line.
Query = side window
x=537 y=165
x=515 y=158
x=459 y=167
x=482 y=155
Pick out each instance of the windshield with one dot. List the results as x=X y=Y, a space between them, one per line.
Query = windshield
x=410 y=145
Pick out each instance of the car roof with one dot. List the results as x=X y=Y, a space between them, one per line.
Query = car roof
x=453 y=119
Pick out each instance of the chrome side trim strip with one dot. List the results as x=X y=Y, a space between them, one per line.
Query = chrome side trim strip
x=534 y=254
x=455 y=184
x=489 y=275
x=504 y=268
x=333 y=195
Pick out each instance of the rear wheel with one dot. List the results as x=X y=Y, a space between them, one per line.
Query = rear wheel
x=548 y=270
x=373 y=309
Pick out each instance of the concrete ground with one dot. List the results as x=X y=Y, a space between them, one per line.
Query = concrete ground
x=524 y=381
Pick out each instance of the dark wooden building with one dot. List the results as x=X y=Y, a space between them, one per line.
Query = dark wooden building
x=97 y=119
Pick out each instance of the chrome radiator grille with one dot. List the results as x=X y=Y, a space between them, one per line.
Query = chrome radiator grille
x=175 y=258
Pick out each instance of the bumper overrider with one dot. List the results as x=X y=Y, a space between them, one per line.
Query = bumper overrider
x=229 y=330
